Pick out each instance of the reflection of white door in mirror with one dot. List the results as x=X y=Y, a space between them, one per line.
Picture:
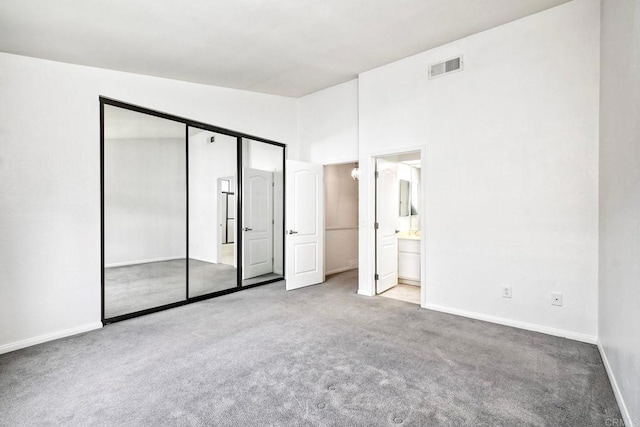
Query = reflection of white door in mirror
x=257 y=223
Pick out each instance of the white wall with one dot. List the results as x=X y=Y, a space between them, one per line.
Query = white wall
x=208 y=162
x=511 y=176
x=341 y=219
x=144 y=200
x=50 y=180
x=328 y=125
x=404 y=173
x=619 y=302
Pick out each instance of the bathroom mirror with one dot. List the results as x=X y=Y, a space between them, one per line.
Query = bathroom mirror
x=144 y=211
x=405 y=203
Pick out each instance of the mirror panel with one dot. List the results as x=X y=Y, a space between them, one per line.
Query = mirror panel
x=262 y=212
x=212 y=206
x=144 y=211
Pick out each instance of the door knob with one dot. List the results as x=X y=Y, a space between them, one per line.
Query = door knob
x=247 y=229
x=293 y=232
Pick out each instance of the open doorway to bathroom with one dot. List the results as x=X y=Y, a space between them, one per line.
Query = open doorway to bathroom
x=397 y=226
x=341 y=220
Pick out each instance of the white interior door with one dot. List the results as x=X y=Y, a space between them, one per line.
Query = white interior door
x=257 y=223
x=387 y=209
x=304 y=217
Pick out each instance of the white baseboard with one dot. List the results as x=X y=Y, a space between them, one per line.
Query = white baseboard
x=577 y=336
x=339 y=270
x=6 y=348
x=614 y=385
x=196 y=258
x=143 y=261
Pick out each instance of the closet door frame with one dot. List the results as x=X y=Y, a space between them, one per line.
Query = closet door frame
x=238 y=223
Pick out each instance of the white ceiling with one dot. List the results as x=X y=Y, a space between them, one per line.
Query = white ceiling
x=283 y=47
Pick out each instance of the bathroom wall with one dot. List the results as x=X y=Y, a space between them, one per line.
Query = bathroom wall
x=404 y=174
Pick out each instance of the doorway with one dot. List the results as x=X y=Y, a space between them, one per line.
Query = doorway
x=341 y=218
x=397 y=227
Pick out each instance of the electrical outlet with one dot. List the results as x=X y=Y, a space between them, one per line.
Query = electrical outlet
x=506 y=292
x=556 y=298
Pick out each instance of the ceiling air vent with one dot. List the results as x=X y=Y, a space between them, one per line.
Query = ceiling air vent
x=445 y=67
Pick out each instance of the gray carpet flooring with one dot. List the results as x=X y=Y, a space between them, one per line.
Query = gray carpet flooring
x=317 y=356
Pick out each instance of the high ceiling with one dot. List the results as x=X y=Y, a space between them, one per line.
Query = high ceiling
x=282 y=47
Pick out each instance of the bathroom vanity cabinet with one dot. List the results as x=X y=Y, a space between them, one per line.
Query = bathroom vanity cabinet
x=409 y=260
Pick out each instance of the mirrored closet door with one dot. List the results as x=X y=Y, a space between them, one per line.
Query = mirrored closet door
x=262 y=212
x=144 y=196
x=213 y=167
x=189 y=211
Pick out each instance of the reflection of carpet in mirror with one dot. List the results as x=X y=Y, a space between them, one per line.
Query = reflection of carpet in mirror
x=138 y=287
x=205 y=277
x=226 y=256
x=407 y=293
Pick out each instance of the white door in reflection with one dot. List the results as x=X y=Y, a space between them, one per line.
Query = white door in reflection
x=257 y=223
x=305 y=228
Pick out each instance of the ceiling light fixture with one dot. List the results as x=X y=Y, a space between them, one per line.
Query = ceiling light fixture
x=355 y=173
